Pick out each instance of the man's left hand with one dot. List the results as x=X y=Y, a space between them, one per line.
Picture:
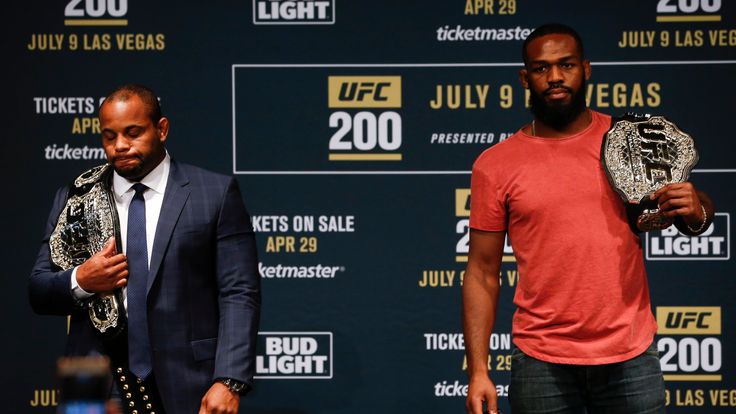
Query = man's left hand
x=680 y=199
x=219 y=400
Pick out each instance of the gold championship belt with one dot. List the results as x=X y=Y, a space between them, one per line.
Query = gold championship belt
x=643 y=153
x=86 y=223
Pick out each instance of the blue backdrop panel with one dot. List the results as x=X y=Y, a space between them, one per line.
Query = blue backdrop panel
x=352 y=127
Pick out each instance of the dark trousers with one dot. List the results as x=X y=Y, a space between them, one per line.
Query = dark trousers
x=635 y=386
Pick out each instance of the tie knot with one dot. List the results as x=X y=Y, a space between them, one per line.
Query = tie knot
x=139 y=188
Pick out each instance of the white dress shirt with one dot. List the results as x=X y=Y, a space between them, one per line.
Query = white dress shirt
x=123 y=193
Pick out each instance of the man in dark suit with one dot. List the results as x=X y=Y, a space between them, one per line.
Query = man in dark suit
x=188 y=268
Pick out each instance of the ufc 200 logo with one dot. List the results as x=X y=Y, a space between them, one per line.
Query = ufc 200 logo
x=688 y=6
x=690 y=346
x=373 y=135
x=96 y=8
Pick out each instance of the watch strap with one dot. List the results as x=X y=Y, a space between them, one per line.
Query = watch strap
x=234 y=386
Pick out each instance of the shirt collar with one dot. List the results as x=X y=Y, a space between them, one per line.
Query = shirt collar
x=154 y=180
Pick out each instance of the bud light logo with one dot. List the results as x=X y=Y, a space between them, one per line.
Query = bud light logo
x=670 y=244
x=306 y=355
x=294 y=11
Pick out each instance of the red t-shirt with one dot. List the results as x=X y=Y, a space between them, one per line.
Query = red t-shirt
x=582 y=296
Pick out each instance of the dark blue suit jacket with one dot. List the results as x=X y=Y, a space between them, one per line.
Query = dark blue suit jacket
x=203 y=288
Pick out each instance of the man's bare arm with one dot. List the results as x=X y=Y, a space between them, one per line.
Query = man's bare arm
x=480 y=297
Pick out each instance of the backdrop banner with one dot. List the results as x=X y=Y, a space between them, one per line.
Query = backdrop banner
x=352 y=127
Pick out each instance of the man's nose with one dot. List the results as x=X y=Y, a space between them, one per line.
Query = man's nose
x=554 y=75
x=121 y=144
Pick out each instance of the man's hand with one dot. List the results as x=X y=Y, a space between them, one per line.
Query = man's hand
x=480 y=390
x=219 y=400
x=680 y=199
x=104 y=271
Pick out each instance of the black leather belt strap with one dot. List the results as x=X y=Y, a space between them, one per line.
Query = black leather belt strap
x=137 y=396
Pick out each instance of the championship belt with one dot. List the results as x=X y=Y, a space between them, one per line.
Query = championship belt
x=643 y=153
x=86 y=223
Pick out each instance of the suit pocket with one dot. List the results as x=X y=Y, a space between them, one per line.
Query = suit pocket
x=204 y=349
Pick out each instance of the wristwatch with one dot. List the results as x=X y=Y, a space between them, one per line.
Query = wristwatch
x=235 y=386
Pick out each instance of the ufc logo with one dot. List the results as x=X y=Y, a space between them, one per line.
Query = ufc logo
x=684 y=319
x=357 y=91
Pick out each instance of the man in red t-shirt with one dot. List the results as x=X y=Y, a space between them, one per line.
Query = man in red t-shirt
x=583 y=329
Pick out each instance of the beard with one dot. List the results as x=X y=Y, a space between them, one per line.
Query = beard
x=130 y=173
x=134 y=168
x=127 y=167
x=557 y=114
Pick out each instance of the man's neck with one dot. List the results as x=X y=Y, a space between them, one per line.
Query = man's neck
x=540 y=129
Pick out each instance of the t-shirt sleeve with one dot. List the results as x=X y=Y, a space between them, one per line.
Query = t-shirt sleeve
x=487 y=201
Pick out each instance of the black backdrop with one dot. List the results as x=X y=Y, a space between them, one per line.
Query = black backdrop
x=384 y=183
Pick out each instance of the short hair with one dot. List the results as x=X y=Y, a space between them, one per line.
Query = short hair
x=147 y=95
x=548 y=29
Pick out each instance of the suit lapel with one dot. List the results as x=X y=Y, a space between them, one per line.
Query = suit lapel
x=175 y=196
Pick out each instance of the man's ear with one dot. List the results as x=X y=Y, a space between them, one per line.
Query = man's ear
x=163 y=128
x=523 y=78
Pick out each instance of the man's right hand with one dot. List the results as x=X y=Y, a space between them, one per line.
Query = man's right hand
x=103 y=272
x=480 y=390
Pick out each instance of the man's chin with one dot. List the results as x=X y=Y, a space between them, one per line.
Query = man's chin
x=129 y=172
x=555 y=112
